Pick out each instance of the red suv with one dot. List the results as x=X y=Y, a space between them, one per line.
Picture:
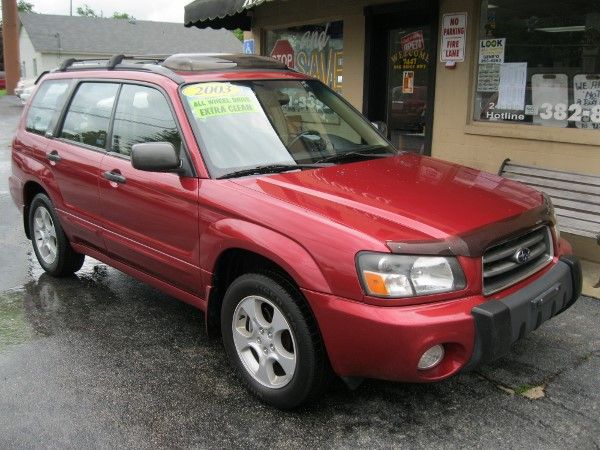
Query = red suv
x=261 y=197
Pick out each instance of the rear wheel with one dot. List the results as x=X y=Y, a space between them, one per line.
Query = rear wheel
x=272 y=341
x=50 y=244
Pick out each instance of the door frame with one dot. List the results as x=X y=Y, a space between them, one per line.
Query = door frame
x=379 y=21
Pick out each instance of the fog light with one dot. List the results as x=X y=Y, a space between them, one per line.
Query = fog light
x=431 y=357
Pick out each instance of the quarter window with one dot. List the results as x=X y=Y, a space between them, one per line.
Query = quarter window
x=49 y=97
x=88 y=117
x=143 y=115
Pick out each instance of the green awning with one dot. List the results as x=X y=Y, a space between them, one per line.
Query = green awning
x=230 y=14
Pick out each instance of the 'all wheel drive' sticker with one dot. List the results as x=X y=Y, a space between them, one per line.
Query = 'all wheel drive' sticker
x=219 y=99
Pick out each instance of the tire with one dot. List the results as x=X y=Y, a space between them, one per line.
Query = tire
x=50 y=244
x=250 y=339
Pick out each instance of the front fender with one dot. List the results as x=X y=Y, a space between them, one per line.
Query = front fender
x=288 y=254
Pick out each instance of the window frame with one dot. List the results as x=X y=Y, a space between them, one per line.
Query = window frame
x=188 y=168
x=113 y=118
x=196 y=133
x=61 y=120
x=508 y=129
x=50 y=131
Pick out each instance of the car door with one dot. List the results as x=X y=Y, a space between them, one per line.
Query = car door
x=76 y=153
x=150 y=218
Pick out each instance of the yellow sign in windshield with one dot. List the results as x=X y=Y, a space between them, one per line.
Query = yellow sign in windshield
x=219 y=99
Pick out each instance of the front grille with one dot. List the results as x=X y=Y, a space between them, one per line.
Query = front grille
x=514 y=260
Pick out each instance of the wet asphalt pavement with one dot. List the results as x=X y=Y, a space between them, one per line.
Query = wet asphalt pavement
x=103 y=361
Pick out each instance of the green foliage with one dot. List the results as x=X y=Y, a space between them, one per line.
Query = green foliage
x=520 y=390
x=239 y=34
x=122 y=15
x=86 y=11
x=24 y=6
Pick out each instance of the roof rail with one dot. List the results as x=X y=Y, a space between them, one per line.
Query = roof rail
x=155 y=68
x=150 y=63
x=114 y=60
x=67 y=63
x=170 y=65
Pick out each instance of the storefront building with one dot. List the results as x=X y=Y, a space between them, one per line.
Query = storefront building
x=470 y=81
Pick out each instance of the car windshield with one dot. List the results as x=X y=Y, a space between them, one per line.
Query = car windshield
x=277 y=123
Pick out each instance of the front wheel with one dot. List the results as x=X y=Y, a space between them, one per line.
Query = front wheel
x=50 y=244
x=272 y=341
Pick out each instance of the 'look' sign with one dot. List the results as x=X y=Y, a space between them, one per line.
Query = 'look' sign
x=454 y=36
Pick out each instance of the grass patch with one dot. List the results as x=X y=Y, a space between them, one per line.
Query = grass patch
x=2 y=92
x=523 y=388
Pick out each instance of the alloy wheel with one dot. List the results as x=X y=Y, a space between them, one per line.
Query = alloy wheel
x=264 y=341
x=44 y=233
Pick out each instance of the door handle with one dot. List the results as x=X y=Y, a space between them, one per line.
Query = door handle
x=114 y=176
x=53 y=156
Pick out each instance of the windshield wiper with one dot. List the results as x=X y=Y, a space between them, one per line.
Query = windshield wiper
x=270 y=168
x=355 y=154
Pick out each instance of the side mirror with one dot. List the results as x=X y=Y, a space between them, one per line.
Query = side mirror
x=155 y=157
x=381 y=126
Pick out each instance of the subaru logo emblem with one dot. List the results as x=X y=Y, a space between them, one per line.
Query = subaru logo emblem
x=522 y=255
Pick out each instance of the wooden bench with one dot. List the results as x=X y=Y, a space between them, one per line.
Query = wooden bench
x=576 y=197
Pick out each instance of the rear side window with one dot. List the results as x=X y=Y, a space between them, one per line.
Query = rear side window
x=89 y=113
x=47 y=100
x=142 y=115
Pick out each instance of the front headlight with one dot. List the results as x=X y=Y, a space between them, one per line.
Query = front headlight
x=396 y=276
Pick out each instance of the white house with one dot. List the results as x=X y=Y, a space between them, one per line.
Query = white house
x=46 y=40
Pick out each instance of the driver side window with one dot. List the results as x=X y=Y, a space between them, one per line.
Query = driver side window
x=143 y=115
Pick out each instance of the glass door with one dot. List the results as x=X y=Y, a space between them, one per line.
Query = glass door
x=408 y=89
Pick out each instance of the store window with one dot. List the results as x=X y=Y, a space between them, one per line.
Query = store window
x=316 y=50
x=539 y=63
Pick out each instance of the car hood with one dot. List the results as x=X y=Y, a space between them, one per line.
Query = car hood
x=402 y=198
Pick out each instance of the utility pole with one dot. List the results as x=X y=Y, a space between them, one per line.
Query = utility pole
x=71 y=8
x=10 y=38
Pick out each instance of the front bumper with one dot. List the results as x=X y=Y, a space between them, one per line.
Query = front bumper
x=366 y=341
x=500 y=323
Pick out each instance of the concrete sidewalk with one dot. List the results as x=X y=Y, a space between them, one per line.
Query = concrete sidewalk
x=591 y=278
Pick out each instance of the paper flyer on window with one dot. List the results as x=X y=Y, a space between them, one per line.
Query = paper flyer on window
x=491 y=51
x=513 y=81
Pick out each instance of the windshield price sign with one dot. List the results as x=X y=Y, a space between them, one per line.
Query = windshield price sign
x=218 y=99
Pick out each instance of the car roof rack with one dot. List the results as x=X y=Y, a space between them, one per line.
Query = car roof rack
x=168 y=65
x=150 y=63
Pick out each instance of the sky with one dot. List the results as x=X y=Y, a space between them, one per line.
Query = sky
x=157 y=10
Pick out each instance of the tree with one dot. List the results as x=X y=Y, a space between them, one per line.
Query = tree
x=24 y=6
x=239 y=33
x=124 y=15
x=86 y=11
